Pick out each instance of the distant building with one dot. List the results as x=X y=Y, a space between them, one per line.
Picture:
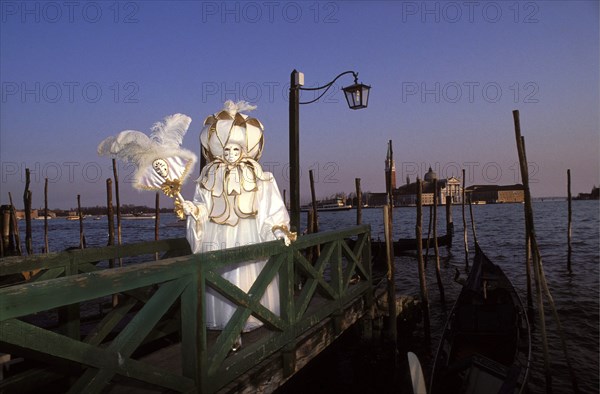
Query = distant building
x=21 y=214
x=374 y=199
x=390 y=169
x=496 y=194
x=407 y=194
x=594 y=195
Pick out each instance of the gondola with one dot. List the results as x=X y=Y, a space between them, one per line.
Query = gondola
x=403 y=245
x=486 y=344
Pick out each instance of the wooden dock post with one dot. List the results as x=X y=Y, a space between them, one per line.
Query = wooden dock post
x=27 y=208
x=15 y=225
x=388 y=226
x=156 y=220
x=310 y=225
x=315 y=214
x=110 y=215
x=449 y=222
x=422 y=278
x=358 y=201
x=569 y=221
x=391 y=275
x=46 y=242
x=111 y=228
x=310 y=228
x=81 y=234
x=118 y=201
x=428 y=231
x=314 y=202
x=6 y=235
x=464 y=220
x=538 y=269
x=472 y=221
x=530 y=239
x=438 y=273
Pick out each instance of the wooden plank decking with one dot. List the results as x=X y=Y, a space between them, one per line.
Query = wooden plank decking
x=268 y=375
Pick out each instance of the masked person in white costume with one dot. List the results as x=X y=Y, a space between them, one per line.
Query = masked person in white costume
x=235 y=204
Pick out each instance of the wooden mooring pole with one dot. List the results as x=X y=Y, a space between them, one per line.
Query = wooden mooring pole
x=569 y=221
x=81 y=234
x=8 y=245
x=46 y=242
x=541 y=284
x=464 y=220
x=111 y=228
x=422 y=278
x=118 y=201
x=428 y=231
x=391 y=275
x=315 y=213
x=27 y=208
x=449 y=222
x=388 y=226
x=15 y=226
x=313 y=200
x=5 y=230
x=111 y=217
x=358 y=201
x=156 y=220
x=472 y=220
x=438 y=273
x=530 y=238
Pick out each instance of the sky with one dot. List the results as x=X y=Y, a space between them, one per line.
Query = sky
x=445 y=78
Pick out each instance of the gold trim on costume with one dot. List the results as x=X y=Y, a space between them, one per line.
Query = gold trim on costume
x=171 y=188
x=291 y=235
x=179 y=209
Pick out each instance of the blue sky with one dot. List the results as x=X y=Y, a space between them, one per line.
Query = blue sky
x=445 y=79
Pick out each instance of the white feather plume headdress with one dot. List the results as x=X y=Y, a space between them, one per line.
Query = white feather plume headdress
x=164 y=143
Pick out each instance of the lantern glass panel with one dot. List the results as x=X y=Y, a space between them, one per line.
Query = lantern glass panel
x=357 y=96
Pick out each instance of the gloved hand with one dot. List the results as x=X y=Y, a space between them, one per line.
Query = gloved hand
x=281 y=235
x=189 y=208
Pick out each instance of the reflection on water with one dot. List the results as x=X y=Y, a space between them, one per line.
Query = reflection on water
x=500 y=232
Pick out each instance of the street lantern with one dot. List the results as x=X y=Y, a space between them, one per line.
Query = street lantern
x=357 y=96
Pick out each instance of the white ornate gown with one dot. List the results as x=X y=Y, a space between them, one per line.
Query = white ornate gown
x=205 y=235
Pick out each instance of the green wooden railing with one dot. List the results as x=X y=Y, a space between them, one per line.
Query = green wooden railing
x=162 y=297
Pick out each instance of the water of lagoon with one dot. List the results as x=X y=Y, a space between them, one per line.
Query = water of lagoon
x=500 y=232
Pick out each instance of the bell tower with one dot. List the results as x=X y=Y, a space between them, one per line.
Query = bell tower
x=390 y=169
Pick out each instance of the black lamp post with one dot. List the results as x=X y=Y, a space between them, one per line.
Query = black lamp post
x=357 y=96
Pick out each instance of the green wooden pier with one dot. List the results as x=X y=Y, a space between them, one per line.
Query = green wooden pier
x=158 y=300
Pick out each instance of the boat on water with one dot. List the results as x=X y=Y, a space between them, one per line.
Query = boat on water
x=332 y=204
x=70 y=217
x=486 y=344
x=137 y=216
x=402 y=245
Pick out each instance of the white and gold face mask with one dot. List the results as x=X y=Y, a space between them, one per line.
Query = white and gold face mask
x=232 y=143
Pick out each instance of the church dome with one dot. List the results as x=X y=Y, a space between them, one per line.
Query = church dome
x=430 y=176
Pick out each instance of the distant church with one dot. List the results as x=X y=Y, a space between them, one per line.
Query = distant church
x=390 y=169
x=446 y=188
x=406 y=195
